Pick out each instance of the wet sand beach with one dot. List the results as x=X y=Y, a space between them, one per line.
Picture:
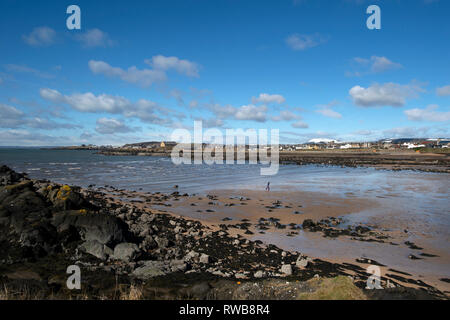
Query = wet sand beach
x=396 y=240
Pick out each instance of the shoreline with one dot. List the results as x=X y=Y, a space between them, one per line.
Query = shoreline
x=388 y=160
x=167 y=250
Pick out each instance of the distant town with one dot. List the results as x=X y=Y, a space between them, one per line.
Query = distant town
x=314 y=144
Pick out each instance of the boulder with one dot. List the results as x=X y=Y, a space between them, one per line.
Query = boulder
x=42 y=236
x=9 y=176
x=162 y=242
x=19 y=200
x=259 y=274
x=302 y=262
x=125 y=251
x=178 y=265
x=96 y=249
x=149 y=270
x=308 y=223
x=103 y=228
x=286 y=269
x=192 y=255
x=204 y=258
x=200 y=290
x=66 y=198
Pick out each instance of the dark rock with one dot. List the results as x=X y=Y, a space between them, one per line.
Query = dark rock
x=308 y=223
x=9 y=176
x=103 y=228
x=125 y=251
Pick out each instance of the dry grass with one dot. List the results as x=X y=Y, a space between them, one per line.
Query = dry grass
x=338 y=288
x=16 y=294
x=134 y=293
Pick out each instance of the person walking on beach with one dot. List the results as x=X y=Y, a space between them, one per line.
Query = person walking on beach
x=268 y=186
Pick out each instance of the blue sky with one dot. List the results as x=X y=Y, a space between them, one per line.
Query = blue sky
x=137 y=70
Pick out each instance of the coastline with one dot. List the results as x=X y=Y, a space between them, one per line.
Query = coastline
x=388 y=160
x=157 y=249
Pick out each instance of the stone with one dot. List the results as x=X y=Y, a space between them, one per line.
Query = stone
x=125 y=251
x=390 y=285
x=286 y=269
x=308 y=223
x=9 y=176
x=200 y=290
x=178 y=265
x=66 y=198
x=204 y=258
x=103 y=228
x=95 y=248
x=302 y=262
x=259 y=274
x=162 y=242
x=149 y=270
x=191 y=255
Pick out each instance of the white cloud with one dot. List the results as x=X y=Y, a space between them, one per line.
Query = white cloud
x=111 y=126
x=300 y=42
x=27 y=138
x=145 y=110
x=143 y=77
x=380 y=64
x=388 y=94
x=20 y=68
x=95 y=38
x=146 y=77
x=363 y=132
x=377 y=64
x=428 y=114
x=300 y=125
x=251 y=112
x=327 y=112
x=186 y=67
x=40 y=36
x=406 y=132
x=245 y=112
x=10 y=116
x=14 y=118
x=443 y=91
x=51 y=95
x=268 y=98
x=211 y=122
x=286 y=115
x=88 y=102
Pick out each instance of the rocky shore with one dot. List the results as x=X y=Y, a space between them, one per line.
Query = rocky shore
x=382 y=160
x=130 y=250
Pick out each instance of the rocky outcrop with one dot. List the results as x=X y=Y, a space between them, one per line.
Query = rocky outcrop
x=47 y=218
